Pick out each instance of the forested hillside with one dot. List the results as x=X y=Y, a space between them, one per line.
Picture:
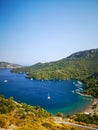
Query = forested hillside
x=80 y=65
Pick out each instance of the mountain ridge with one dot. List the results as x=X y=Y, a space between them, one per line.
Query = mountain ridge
x=84 y=54
x=84 y=61
x=79 y=66
x=8 y=65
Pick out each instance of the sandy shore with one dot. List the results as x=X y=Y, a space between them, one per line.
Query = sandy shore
x=92 y=108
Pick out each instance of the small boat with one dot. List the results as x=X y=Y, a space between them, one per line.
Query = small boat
x=77 y=90
x=48 y=97
x=5 y=81
x=79 y=82
x=73 y=91
x=74 y=83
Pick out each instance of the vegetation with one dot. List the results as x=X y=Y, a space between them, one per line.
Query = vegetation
x=92 y=85
x=80 y=65
x=25 y=117
x=89 y=119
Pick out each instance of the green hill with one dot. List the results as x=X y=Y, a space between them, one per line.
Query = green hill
x=80 y=65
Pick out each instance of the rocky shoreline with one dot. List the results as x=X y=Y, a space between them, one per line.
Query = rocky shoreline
x=92 y=108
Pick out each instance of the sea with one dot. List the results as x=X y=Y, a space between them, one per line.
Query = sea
x=53 y=95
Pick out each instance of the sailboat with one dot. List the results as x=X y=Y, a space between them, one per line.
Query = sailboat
x=5 y=81
x=48 y=97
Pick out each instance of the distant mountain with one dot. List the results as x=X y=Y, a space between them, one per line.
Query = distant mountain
x=9 y=65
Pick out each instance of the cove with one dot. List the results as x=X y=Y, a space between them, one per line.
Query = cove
x=54 y=96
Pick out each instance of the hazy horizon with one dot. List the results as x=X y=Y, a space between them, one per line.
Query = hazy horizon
x=42 y=31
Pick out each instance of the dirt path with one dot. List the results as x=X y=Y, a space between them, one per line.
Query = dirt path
x=59 y=120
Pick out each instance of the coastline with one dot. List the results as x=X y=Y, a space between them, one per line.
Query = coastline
x=82 y=94
x=92 y=108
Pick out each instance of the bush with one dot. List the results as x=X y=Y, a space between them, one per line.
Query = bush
x=47 y=125
x=3 y=121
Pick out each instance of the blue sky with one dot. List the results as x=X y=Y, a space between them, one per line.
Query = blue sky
x=34 y=31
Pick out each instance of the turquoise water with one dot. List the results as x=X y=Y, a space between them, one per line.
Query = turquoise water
x=54 y=96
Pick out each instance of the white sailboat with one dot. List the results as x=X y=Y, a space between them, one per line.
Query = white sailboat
x=5 y=81
x=48 y=97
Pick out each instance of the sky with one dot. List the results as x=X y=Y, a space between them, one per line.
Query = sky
x=34 y=31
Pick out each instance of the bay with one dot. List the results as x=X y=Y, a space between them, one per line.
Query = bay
x=54 y=96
